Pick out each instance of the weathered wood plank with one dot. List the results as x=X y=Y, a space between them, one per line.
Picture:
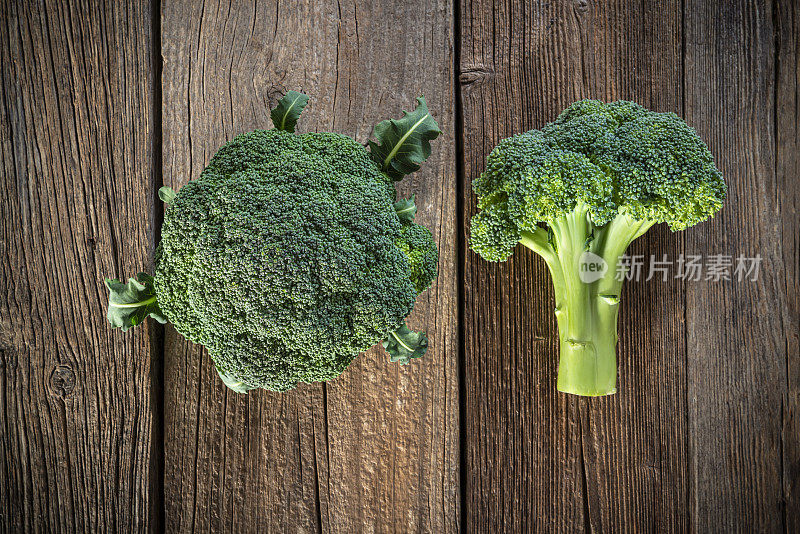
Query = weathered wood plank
x=393 y=430
x=76 y=206
x=235 y=462
x=535 y=458
x=634 y=442
x=375 y=449
x=519 y=66
x=737 y=337
x=787 y=114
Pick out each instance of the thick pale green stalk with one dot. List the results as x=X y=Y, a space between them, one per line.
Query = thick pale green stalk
x=588 y=366
x=586 y=311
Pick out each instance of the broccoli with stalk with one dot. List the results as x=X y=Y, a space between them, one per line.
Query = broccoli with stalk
x=290 y=254
x=578 y=192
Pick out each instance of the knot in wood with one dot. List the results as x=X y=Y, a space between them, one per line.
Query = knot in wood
x=474 y=75
x=62 y=381
x=581 y=6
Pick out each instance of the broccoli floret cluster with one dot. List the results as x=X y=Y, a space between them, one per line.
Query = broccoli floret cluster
x=289 y=255
x=616 y=157
x=293 y=251
x=418 y=245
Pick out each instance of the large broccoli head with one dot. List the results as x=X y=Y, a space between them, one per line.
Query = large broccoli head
x=289 y=256
x=613 y=158
x=281 y=258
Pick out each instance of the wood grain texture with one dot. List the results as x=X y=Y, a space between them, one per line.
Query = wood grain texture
x=538 y=459
x=76 y=206
x=634 y=442
x=523 y=467
x=737 y=332
x=656 y=456
x=376 y=449
x=704 y=434
x=787 y=169
x=393 y=430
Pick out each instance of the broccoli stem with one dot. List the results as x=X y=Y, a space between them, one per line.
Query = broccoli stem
x=588 y=362
x=586 y=308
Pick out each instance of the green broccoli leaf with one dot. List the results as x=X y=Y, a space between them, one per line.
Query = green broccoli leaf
x=288 y=110
x=130 y=304
x=406 y=209
x=405 y=143
x=166 y=194
x=237 y=386
x=403 y=345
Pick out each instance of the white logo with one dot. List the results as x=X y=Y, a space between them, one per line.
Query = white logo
x=591 y=267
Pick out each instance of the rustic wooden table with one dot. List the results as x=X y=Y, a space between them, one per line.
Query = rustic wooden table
x=101 y=103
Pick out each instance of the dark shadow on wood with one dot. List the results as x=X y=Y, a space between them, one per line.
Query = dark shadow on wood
x=157 y=519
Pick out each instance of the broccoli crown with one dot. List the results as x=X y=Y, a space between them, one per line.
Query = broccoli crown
x=286 y=258
x=614 y=158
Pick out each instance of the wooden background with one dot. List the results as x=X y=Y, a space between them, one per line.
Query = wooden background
x=102 y=103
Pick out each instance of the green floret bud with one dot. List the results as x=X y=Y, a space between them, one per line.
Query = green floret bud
x=617 y=112
x=493 y=233
x=614 y=158
x=527 y=181
x=417 y=244
x=665 y=173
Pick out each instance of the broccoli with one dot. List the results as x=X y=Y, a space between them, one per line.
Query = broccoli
x=289 y=255
x=578 y=192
